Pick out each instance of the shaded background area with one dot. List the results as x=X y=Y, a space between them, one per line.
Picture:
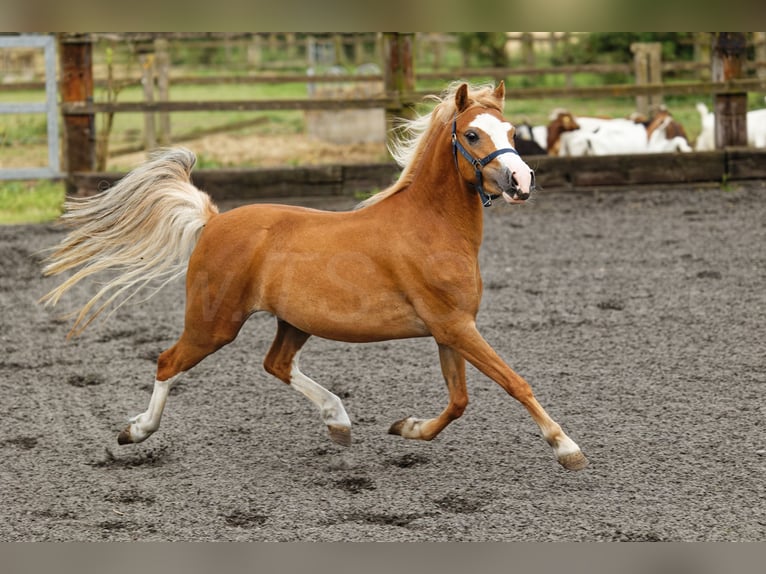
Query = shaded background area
x=637 y=317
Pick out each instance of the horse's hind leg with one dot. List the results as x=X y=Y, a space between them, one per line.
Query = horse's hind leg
x=193 y=346
x=282 y=362
x=144 y=424
x=453 y=369
x=206 y=329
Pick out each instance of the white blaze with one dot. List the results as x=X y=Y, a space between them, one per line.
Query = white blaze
x=498 y=132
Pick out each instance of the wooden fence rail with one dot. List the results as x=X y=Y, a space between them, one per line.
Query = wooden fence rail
x=721 y=167
x=230 y=105
x=288 y=78
x=395 y=101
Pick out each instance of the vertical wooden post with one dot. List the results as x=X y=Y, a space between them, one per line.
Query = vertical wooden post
x=642 y=75
x=311 y=45
x=438 y=49
x=566 y=39
x=702 y=53
x=647 y=60
x=163 y=86
x=339 y=45
x=77 y=88
x=146 y=59
x=552 y=42
x=292 y=47
x=528 y=49
x=399 y=68
x=759 y=40
x=398 y=75
x=728 y=57
x=654 y=63
x=255 y=53
x=359 y=57
x=378 y=50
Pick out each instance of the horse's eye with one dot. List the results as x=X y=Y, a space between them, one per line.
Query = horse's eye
x=471 y=137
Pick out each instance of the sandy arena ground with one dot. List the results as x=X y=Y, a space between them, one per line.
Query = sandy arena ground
x=637 y=316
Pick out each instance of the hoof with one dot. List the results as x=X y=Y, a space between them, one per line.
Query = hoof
x=411 y=428
x=397 y=427
x=124 y=437
x=340 y=435
x=574 y=461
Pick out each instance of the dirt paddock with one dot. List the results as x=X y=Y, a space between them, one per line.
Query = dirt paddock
x=637 y=317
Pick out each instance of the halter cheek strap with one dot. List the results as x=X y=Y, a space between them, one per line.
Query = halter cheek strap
x=478 y=164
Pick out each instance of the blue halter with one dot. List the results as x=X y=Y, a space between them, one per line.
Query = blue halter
x=478 y=164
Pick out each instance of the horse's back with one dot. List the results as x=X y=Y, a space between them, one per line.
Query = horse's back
x=236 y=233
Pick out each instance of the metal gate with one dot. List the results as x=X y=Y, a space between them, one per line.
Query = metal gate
x=50 y=107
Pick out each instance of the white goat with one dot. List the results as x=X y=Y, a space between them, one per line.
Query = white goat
x=578 y=136
x=660 y=142
x=604 y=137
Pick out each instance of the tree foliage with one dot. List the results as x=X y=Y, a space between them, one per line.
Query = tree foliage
x=484 y=47
x=614 y=47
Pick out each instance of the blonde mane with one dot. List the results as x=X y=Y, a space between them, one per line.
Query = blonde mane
x=412 y=136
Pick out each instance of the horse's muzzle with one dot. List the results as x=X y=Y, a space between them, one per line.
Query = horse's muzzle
x=521 y=195
x=515 y=194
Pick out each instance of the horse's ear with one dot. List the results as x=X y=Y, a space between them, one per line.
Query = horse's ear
x=500 y=93
x=461 y=98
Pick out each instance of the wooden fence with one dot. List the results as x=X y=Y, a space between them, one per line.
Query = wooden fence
x=720 y=167
x=399 y=95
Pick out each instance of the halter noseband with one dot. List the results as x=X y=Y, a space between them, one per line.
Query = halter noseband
x=478 y=164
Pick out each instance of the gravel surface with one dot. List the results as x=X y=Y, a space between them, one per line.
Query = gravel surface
x=637 y=317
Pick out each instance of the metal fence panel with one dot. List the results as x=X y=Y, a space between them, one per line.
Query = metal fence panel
x=50 y=107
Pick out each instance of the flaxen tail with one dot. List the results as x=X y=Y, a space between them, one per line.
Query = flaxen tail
x=143 y=230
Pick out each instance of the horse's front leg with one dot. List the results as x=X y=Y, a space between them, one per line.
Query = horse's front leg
x=480 y=354
x=282 y=362
x=453 y=369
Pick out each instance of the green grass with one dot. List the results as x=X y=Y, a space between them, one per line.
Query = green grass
x=30 y=202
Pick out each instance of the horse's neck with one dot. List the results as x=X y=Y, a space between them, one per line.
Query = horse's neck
x=438 y=192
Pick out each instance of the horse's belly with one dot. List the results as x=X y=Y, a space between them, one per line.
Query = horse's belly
x=358 y=317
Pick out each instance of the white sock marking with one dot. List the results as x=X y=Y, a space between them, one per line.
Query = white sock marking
x=330 y=405
x=144 y=424
x=565 y=446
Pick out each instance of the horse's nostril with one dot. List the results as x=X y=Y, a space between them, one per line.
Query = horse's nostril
x=514 y=182
x=532 y=182
x=522 y=195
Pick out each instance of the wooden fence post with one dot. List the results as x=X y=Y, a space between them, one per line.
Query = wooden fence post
x=359 y=57
x=398 y=77
x=339 y=45
x=647 y=59
x=728 y=56
x=702 y=53
x=77 y=87
x=146 y=58
x=655 y=73
x=291 y=48
x=566 y=38
x=255 y=53
x=398 y=73
x=759 y=40
x=163 y=86
x=528 y=49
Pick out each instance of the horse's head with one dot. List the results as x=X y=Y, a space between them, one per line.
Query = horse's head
x=481 y=135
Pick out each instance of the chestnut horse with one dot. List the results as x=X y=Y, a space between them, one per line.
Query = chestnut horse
x=403 y=264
